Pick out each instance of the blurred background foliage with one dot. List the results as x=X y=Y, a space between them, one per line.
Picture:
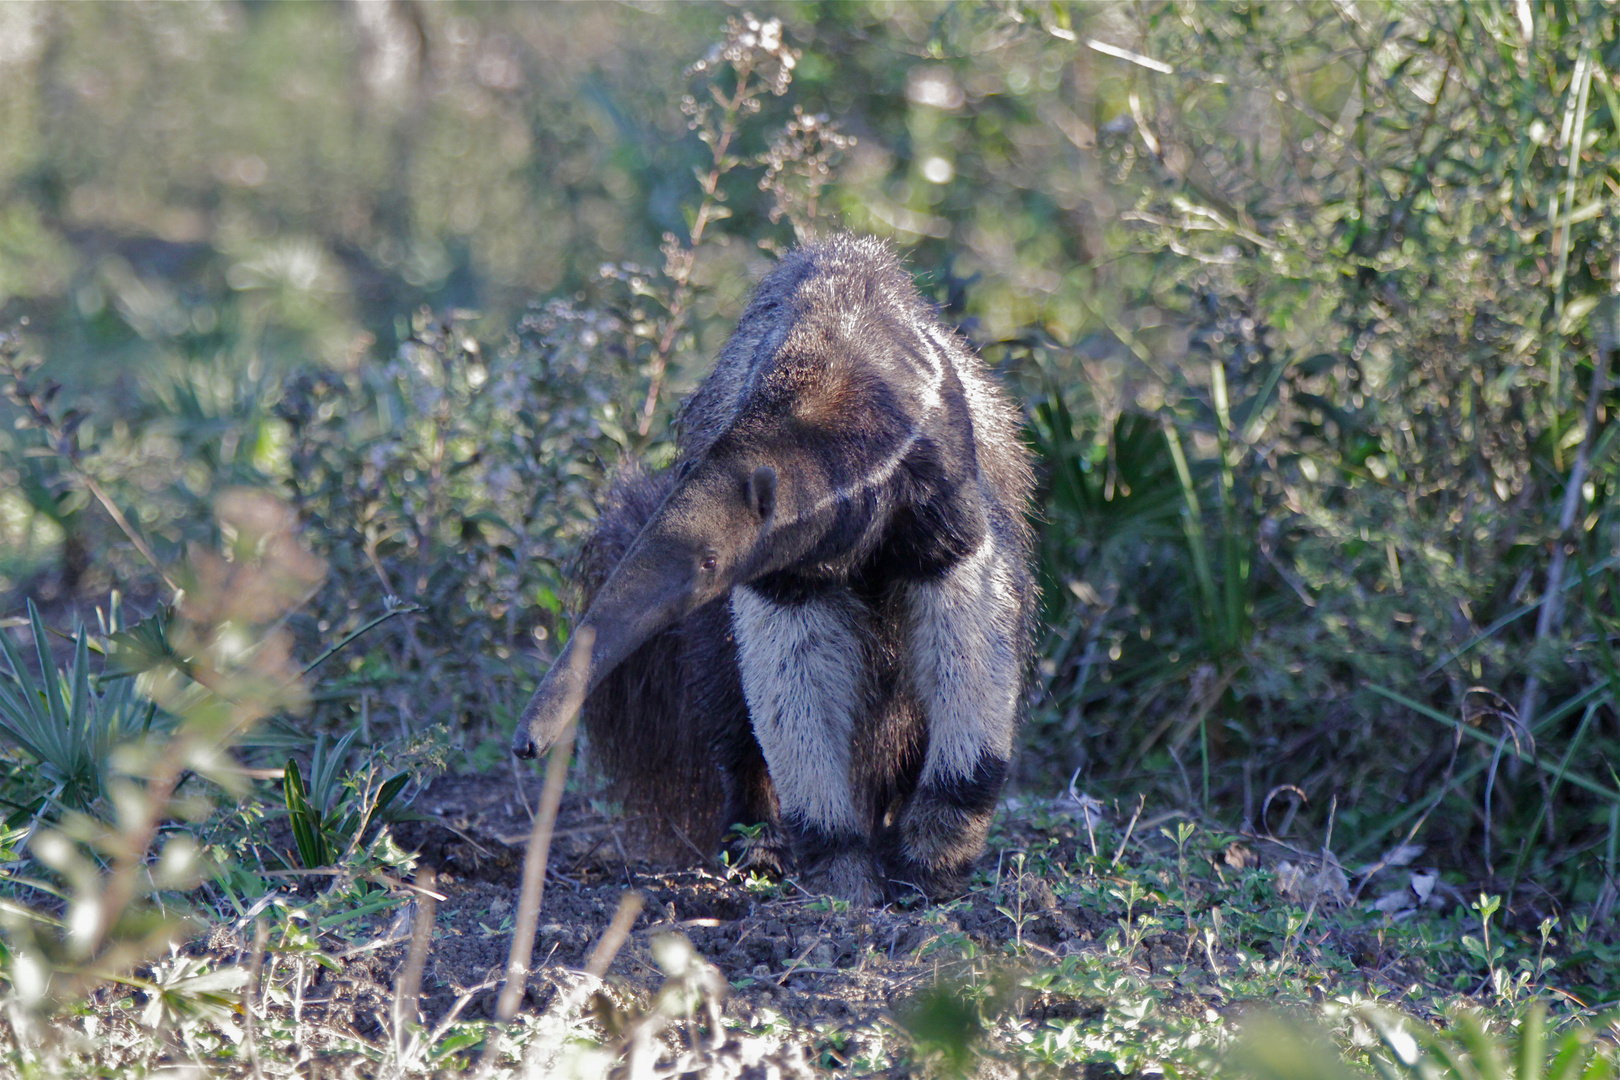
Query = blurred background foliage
x=1311 y=307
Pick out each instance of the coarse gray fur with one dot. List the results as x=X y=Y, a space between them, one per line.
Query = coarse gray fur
x=819 y=619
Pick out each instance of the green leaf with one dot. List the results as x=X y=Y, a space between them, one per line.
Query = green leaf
x=305 y=819
x=386 y=795
x=141 y=648
x=1530 y=1055
x=42 y=650
x=1571 y=1055
x=452 y=1043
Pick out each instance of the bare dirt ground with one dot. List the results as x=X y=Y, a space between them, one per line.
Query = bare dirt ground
x=834 y=975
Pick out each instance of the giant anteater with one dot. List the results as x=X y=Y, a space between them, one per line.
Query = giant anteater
x=818 y=619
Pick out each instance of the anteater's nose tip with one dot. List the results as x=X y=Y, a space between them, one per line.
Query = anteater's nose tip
x=522 y=745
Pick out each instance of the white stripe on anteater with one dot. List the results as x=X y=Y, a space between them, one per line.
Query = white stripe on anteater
x=965 y=662
x=801 y=674
x=931 y=399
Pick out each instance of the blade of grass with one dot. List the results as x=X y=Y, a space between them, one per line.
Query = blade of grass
x=1552 y=790
x=1510 y=618
x=1248 y=428
x=1192 y=521
x=40 y=728
x=1482 y=1051
x=19 y=718
x=30 y=691
x=1571 y=1055
x=324 y=768
x=1233 y=566
x=1611 y=853
x=305 y=821
x=47 y=668
x=1372 y=837
x=385 y=795
x=1530 y=1055
x=78 y=717
x=1574 y=117
x=1474 y=733
x=406 y=609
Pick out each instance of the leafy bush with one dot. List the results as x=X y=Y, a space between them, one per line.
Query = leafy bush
x=1360 y=345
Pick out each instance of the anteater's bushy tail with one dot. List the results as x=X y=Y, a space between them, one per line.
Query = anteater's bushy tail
x=648 y=747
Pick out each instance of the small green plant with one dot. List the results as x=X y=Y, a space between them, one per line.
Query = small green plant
x=1015 y=913
x=332 y=813
x=829 y=904
x=64 y=722
x=1184 y=899
x=1481 y=948
x=185 y=994
x=1133 y=928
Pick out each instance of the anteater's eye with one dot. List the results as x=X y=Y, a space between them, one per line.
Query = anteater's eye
x=708 y=564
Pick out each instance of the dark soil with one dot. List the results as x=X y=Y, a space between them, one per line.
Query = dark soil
x=779 y=947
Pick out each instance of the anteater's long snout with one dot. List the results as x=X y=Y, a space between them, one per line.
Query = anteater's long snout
x=559 y=697
x=689 y=553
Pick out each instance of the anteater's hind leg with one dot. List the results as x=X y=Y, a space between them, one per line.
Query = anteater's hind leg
x=966 y=667
x=805 y=676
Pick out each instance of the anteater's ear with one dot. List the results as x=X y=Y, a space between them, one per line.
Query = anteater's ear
x=762 y=491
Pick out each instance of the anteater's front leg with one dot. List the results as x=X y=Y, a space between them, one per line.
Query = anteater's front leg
x=962 y=653
x=804 y=672
x=715 y=707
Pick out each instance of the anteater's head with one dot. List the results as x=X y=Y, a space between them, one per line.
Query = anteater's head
x=712 y=532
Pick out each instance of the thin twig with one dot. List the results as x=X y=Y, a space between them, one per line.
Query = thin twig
x=680 y=834
x=793 y=968
x=679 y=262
x=1327 y=840
x=534 y=878
x=614 y=937
x=250 y=993
x=534 y=860
x=1141 y=801
x=408 y=989
x=123 y=524
x=376 y=877
x=403 y=609
x=464 y=997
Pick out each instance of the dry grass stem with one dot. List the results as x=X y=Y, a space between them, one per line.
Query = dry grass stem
x=250 y=995
x=408 y=989
x=613 y=938
x=534 y=860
